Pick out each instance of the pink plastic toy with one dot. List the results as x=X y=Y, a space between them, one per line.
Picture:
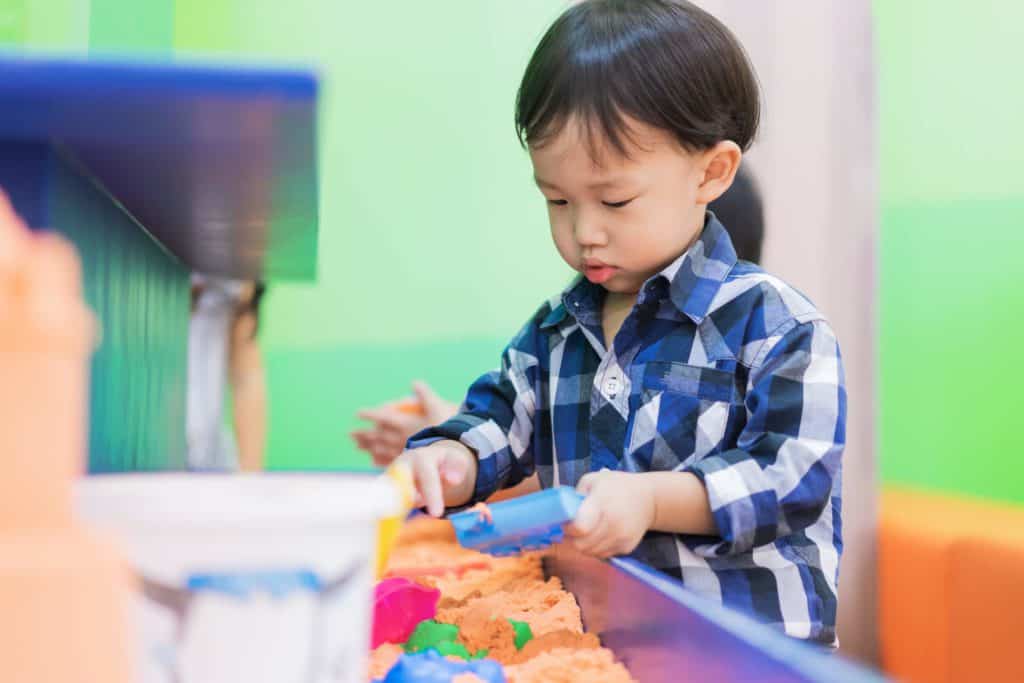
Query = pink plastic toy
x=399 y=606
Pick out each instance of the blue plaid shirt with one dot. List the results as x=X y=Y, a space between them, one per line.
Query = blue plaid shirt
x=720 y=370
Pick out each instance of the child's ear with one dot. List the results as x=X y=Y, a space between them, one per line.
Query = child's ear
x=720 y=164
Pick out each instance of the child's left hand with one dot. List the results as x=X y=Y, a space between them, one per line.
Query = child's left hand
x=617 y=512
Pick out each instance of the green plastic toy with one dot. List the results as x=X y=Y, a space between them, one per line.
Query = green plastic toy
x=523 y=633
x=442 y=638
x=429 y=635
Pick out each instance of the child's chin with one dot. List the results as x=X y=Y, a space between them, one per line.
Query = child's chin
x=620 y=285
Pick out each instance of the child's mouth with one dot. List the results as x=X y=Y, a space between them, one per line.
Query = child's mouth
x=599 y=274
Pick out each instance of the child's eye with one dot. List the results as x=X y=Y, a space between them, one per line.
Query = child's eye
x=557 y=202
x=617 y=205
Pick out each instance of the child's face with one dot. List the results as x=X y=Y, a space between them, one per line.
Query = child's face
x=621 y=221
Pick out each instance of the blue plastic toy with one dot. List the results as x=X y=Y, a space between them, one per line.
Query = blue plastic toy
x=531 y=522
x=430 y=667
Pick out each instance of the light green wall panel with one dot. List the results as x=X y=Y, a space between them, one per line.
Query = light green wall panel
x=952 y=334
x=13 y=22
x=141 y=26
x=314 y=394
x=45 y=25
x=952 y=245
x=951 y=99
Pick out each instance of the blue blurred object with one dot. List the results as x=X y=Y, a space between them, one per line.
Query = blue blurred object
x=217 y=163
x=664 y=632
x=531 y=522
x=430 y=667
x=243 y=585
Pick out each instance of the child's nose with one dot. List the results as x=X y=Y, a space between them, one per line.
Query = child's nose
x=588 y=230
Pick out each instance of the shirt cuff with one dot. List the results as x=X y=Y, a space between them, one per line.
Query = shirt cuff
x=746 y=514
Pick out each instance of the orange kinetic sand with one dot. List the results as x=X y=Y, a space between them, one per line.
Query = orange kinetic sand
x=499 y=572
x=481 y=594
x=496 y=635
x=544 y=605
x=554 y=641
x=383 y=658
x=466 y=678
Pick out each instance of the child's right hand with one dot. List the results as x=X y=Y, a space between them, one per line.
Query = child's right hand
x=444 y=473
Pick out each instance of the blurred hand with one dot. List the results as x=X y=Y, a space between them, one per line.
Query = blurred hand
x=618 y=510
x=393 y=423
x=444 y=473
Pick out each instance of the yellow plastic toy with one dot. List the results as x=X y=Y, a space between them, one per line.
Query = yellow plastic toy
x=388 y=528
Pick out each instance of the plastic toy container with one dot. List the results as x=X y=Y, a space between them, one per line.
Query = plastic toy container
x=247 y=577
x=530 y=522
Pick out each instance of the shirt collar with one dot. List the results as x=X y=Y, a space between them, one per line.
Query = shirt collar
x=697 y=275
x=693 y=280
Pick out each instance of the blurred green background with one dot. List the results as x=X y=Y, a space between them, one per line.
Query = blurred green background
x=952 y=245
x=434 y=243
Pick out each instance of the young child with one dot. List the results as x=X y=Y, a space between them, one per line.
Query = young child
x=696 y=401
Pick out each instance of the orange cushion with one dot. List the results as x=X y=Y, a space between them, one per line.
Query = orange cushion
x=926 y=567
x=987 y=609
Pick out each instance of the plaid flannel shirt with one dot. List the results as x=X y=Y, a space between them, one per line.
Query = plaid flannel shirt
x=720 y=370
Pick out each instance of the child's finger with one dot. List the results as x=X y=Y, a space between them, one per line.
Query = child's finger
x=454 y=470
x=590 y=543
x=424 y=393
x=605 y=547
x=369 y=414
x=362 y=437
x=434 y=407
x=428 y=481
x=586 y=483
x=586 y=520
x=382 y=457
x=391 y=419
x=390 y=450
x=391 y=439
x=366 y=441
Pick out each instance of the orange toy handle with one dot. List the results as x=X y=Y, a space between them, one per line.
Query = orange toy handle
x=411 y=407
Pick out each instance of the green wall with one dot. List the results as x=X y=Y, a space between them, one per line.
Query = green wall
x=52 y=25
x=952 y=245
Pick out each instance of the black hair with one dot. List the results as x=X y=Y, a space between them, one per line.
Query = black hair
x=666 y=63
x=258 y=290
x=741 y=212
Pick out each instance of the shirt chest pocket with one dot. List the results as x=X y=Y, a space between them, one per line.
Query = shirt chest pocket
x=682 y=413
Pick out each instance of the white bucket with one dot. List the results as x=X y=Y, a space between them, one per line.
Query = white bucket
x=247 y=577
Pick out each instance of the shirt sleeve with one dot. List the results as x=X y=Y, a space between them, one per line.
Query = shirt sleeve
x=496 y=419
x=788 y=460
